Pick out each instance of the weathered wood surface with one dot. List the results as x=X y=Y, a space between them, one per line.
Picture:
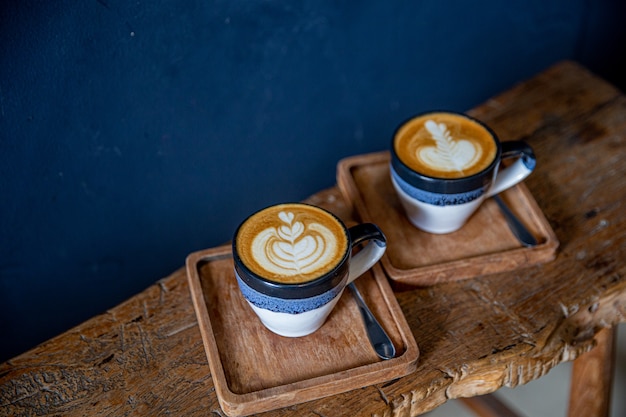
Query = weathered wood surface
x=484 y=245
x=255 y=370
x=145 y=356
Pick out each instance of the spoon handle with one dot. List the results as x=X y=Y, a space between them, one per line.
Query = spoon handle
x=517 y=227
x=378 y=338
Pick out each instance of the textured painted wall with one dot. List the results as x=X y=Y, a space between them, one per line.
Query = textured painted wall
x=133 y=133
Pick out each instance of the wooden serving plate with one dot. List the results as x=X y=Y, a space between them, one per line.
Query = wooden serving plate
x=255 y=370
x=484 y=245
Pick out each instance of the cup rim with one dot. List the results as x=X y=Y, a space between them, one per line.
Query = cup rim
x=439 y=184
x=307 y=289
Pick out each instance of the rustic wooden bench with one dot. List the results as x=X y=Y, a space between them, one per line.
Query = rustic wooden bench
x=146 y=355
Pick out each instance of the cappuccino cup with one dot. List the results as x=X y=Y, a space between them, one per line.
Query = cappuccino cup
x=445 y=164
x=293 y=261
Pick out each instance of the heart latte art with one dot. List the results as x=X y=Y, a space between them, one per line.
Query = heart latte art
x=445 y=145
x=291 y=243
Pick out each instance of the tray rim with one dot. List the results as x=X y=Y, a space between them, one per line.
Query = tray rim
x=418 y=276
x=280 y=396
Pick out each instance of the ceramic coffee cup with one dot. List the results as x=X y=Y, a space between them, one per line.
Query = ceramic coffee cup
x=293 y=261
x=445 y=164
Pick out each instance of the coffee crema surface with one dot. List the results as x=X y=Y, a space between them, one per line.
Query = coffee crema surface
x=291 y=243
x=445 y=145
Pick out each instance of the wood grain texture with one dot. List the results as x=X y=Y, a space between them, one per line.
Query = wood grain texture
x=254 y=369
x=145 y=356
x=484 y=245
x=592 y=378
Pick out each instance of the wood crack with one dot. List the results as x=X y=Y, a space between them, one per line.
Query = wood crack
x=382 y=395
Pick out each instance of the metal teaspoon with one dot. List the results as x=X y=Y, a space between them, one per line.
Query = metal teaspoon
x=378 y=338
x=517 y=227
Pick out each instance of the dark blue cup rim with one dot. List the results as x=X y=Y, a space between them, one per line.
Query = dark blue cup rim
x=446 y=185
x=307 y=289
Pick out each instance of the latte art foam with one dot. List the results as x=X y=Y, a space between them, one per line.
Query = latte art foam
x=445 y=145
x=291 y=243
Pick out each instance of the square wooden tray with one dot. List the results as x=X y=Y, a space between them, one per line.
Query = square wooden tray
x=255 y=370
x=484 y=245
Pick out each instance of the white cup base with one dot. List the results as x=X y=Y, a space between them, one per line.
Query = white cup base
x=295 y=325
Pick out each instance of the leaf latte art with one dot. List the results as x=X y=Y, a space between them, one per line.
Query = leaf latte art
x=448 y=154
x=445 y=145
x=292 y=243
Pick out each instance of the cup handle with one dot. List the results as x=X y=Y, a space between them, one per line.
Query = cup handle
x=518 y=170
x=371 y=253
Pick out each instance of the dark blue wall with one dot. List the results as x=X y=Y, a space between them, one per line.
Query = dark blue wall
x=133 y=133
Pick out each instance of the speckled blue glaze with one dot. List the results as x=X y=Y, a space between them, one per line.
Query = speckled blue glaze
x=291 y=306
x=437 y=199
x=530 y=162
